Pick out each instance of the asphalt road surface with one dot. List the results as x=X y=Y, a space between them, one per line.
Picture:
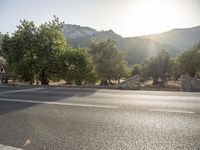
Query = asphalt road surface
x=40 y=118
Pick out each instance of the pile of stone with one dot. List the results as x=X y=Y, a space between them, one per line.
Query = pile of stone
x=189 y=84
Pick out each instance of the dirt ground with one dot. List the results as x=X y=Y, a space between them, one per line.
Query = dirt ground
x=168 y=86
x=147 y=85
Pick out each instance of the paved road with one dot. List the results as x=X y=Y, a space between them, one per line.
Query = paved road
x=60 y=118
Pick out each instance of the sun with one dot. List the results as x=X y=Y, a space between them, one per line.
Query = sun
x=147 y=17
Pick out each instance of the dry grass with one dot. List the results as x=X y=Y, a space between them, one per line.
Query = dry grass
x=147 y=85
x=169 y=86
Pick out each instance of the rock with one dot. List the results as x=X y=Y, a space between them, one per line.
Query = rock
x=189 y=84
x=131 y=83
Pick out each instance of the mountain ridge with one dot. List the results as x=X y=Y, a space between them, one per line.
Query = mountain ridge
x=136 y=49
x=74 y=31
x=181 y=38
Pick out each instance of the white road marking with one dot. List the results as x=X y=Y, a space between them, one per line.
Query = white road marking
x=58 y=103
x=131 y=96
x=4 y=147
x=173 y=111
x=24 y=90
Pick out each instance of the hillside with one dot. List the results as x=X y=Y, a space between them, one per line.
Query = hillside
x=74 y=31
x=0 y=40
x=138 y=49
x=135 y=49
x=179 y=38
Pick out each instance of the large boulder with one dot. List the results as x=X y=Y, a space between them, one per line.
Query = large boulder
x=189 y=84
x=131 y=83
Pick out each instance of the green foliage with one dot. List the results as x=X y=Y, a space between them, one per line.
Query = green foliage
x=77 y=67
x=108 y=60
x=1 y=36
x=189 y=61
x=198 y=74
x=42 y=53
x=33 y=51
x=51 y=45
x=176 y=70
x=18 y=50
x=158 y=66
x=136 y=69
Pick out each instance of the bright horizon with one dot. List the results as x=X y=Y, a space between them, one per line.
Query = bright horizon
x=126 y=17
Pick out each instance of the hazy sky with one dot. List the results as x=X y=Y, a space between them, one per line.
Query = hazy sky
x=125 y=17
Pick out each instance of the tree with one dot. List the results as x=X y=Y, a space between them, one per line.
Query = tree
x=77 y=67
x=189 y=61
x=108 y=60
x=51 y=46
x=136 y=69
x=176 y=70
x=1 y=36
x=157 y=66
x=34 y=52
x=18 y=50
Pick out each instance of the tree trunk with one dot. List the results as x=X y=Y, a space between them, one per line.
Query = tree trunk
x=68 y=82
x=1 y=78
x=104 y=82
x=44 y=82
x=78 y=82
x=118 y=80
x=6 y=80
x=155 y=81
x=110 y=82
x=193 y=74
x=43 y=78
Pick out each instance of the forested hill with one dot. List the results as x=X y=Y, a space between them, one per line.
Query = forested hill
x=84 y=41
x=135 y=49
x=0 y=40
x=74 y=31
x=138 y=49
x=179 y=38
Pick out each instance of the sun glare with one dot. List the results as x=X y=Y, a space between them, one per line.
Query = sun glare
x=151 y=16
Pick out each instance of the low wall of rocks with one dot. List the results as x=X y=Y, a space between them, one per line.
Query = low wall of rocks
x=132 y=83
x=189 y=84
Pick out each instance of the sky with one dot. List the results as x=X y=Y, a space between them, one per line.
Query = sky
x=126 y=17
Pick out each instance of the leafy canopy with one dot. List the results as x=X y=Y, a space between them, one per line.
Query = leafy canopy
x=189 y=61
x=108 y=60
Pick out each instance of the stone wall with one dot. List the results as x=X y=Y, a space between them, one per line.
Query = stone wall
x=189 y=84
x=132 y=83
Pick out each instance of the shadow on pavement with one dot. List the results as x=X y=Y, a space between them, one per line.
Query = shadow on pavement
x=46 y=94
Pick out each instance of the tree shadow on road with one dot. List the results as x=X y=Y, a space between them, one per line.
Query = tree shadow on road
x=47 y=94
